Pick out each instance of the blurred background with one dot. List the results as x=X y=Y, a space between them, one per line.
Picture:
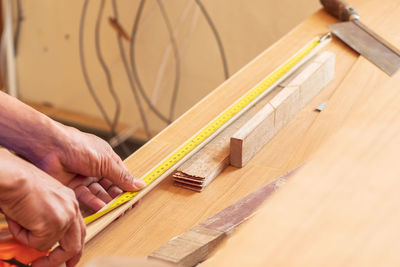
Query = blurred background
x=125 y=69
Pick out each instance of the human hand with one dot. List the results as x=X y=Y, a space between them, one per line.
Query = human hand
x=63 y=152
x=40 y=211
x=87 y=164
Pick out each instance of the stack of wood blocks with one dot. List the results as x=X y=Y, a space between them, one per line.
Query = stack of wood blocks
x=241 y=140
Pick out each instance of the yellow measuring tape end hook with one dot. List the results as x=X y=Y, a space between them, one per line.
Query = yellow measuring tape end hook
x=213 y=126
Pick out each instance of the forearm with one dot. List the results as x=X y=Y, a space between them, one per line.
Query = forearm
x=25 y=130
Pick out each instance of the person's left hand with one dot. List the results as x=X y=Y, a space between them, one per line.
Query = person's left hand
x=88 y=165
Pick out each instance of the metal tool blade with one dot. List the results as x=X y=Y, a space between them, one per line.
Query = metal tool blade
x=367 y=43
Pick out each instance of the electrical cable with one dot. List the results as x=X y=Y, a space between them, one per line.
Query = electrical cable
x=217 y=37
x=20 y=18
x=105 y=68
x=84 y=69
x=133 y=64
x=131 y=83
x=177 y=59
x=108 y=76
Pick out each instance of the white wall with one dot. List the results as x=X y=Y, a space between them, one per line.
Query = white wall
x=48 y=59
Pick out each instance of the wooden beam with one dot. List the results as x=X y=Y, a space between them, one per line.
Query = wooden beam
x=258 y=130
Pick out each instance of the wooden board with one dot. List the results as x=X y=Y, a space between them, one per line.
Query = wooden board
x=341 y=209
x=139 y=232
x=282 y=108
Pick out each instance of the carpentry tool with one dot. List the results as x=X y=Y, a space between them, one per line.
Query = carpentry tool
x=162 y=170
x=362 y=39
x=193 y=246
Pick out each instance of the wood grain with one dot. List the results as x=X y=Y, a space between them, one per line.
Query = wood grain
x=341 y=209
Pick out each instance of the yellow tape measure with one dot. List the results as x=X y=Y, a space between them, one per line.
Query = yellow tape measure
x=213 y=126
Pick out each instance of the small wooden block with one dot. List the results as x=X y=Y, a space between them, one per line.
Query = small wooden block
x=261 y=128
x=317 y=76
x=286 y=105
x=248 y=140
x=189 y=248
x=198 y=171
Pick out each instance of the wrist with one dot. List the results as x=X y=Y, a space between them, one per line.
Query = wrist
x=37 y=138
x=26 y=131
x=12 y=177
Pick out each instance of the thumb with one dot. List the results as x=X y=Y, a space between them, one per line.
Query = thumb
x=119 y=175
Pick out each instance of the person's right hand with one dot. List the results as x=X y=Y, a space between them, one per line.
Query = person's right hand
x=40 y=211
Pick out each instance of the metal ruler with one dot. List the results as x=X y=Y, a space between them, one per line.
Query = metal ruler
x=223 y=120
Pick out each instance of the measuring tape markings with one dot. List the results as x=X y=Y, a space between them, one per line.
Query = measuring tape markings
x=212 y=127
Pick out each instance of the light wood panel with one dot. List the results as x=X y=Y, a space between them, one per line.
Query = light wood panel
x=340 y=209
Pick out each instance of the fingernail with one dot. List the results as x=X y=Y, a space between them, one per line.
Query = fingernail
x=139 y=183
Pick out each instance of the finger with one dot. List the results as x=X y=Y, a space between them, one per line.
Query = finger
x=111 y=189
x=55 y=258
x=86 y=197
x=120 y=176
x=99 y=192
x=114 y=191
x=70 y=246
x=105 y=183
x=19 y=233
x=74 y=261
x=130 y=208
x=25 y=237
x=82 y=180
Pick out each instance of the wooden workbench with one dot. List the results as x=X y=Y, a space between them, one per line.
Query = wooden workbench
x=168 y=211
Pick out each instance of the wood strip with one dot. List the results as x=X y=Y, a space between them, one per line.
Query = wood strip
x=257 y=131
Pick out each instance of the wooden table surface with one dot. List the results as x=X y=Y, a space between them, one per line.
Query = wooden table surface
x=168 y=211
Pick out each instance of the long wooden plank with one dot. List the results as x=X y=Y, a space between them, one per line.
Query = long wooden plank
x=260 y=129
x=342 y=208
